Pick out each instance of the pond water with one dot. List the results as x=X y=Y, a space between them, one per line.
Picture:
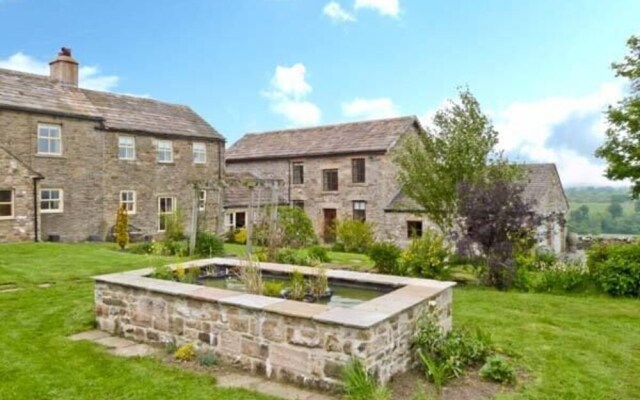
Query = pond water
x=344 y=295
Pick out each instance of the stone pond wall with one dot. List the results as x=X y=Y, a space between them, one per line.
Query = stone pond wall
x=288 y=342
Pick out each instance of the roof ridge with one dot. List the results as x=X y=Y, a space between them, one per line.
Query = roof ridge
x=412 y=117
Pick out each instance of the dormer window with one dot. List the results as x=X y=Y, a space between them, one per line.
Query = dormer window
x=49 y=140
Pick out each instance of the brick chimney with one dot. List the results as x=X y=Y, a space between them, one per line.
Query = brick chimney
x=64 y=69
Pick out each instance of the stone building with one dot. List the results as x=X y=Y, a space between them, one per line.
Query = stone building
x=97 y=151
x=346 y=171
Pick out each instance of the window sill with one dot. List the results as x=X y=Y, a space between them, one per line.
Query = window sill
x=166 y=163
x=330 y=191
x=56 y=156
x=7 y=218
x=51 y=212
x=127 y=159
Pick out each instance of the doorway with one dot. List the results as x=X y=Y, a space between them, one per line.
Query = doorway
x=329 y=234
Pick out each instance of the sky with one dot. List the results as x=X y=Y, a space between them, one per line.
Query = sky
x=540 y=68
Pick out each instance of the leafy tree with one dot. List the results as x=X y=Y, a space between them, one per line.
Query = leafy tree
x=636 y=206
x=615 y=209
x=621 y=149
x=122 y=227
x=498 y=221
x=581 y=214
x=458 y=147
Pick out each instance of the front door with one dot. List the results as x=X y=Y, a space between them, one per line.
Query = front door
x=329 y=225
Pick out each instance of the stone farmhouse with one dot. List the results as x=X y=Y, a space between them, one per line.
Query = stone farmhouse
x=345 y=171
x=70 y=157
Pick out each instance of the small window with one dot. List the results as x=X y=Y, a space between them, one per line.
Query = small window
x=329 y=180
x=414 y=229
x=126 y=148
x=298 y=203
x=6 y=204
x=298 y=173
x=202 y=200
x=358 y=170
x=49 y=140
x=199 y=153
x=360 y=210
x=51 y=201
x=240 y=220
x=128 y=199
x=165 y=151
x=166 y=209
x=229 y=221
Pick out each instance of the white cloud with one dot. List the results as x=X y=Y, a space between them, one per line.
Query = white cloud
x=382 y=107
x=89 y=76
x=288 y=92
x=561 y=130
x=338 y=14
x=384 y=7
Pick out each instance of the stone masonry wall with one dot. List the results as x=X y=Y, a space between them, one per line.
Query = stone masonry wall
x=16 y=177
x=285 y=347
x=91 y=175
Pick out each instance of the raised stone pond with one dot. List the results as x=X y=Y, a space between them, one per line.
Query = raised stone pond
x=371 y=317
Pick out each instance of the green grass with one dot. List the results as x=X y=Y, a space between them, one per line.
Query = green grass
x=569 y=347
x=37 y=360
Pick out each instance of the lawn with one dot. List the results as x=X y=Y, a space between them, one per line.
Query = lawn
x=569 y=347
x=39 y=362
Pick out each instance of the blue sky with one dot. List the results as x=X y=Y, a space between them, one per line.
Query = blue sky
x=539 y=68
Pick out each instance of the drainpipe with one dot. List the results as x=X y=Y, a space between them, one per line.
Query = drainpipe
x=289 y=183
x=36 y=213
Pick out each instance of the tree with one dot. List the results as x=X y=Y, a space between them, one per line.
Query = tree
x=581 y=214
x=615 y=209
x=122 y=227
x=458 y=148
x=496 y=220
x=621 y=149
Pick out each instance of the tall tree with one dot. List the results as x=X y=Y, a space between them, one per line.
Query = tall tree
x=615 y=209
x=621 y=149
x=458 y=147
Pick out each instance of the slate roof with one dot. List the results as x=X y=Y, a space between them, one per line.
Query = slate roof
x=37 y=93
x=542 y=185
x=348 y=138
x=238 y=194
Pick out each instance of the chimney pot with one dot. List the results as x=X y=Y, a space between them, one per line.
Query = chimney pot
x=64 y=69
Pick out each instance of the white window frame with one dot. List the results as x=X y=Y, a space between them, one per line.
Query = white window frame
x=133 y=201
x=60 y=201
x=164 y=146
x=127 y=147
x=48 y=128
x=160 y=213
x=230 y=221
x=199 y=152
x=202 y=200
x=12 y=203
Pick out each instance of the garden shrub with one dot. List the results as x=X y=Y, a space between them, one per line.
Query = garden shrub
x=240 y=236
x=141 y=248
x=386 y=258
x=562 y=277
x=319 y=253
x=297 y=228
x=427 y=256
x=186 y=352
x=297 y=286
x=174 y=226
x=354 y=236
x=360 y=384
x=162 y=272
x=448 y=355
x=498 y=369
x=615 y=268
x=207 y=359
x=122 y=227
x=208 y=245
x=293 y=256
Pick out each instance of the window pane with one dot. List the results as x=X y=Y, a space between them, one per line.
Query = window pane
x=6 y=210
x=43 y=145
x=358 y=170
x=6 y=196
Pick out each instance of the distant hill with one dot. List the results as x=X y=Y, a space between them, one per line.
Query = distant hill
x=598 y=210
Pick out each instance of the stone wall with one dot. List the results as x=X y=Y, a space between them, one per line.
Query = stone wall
x=302 y=343
x=91 y=175
x=18 y=178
